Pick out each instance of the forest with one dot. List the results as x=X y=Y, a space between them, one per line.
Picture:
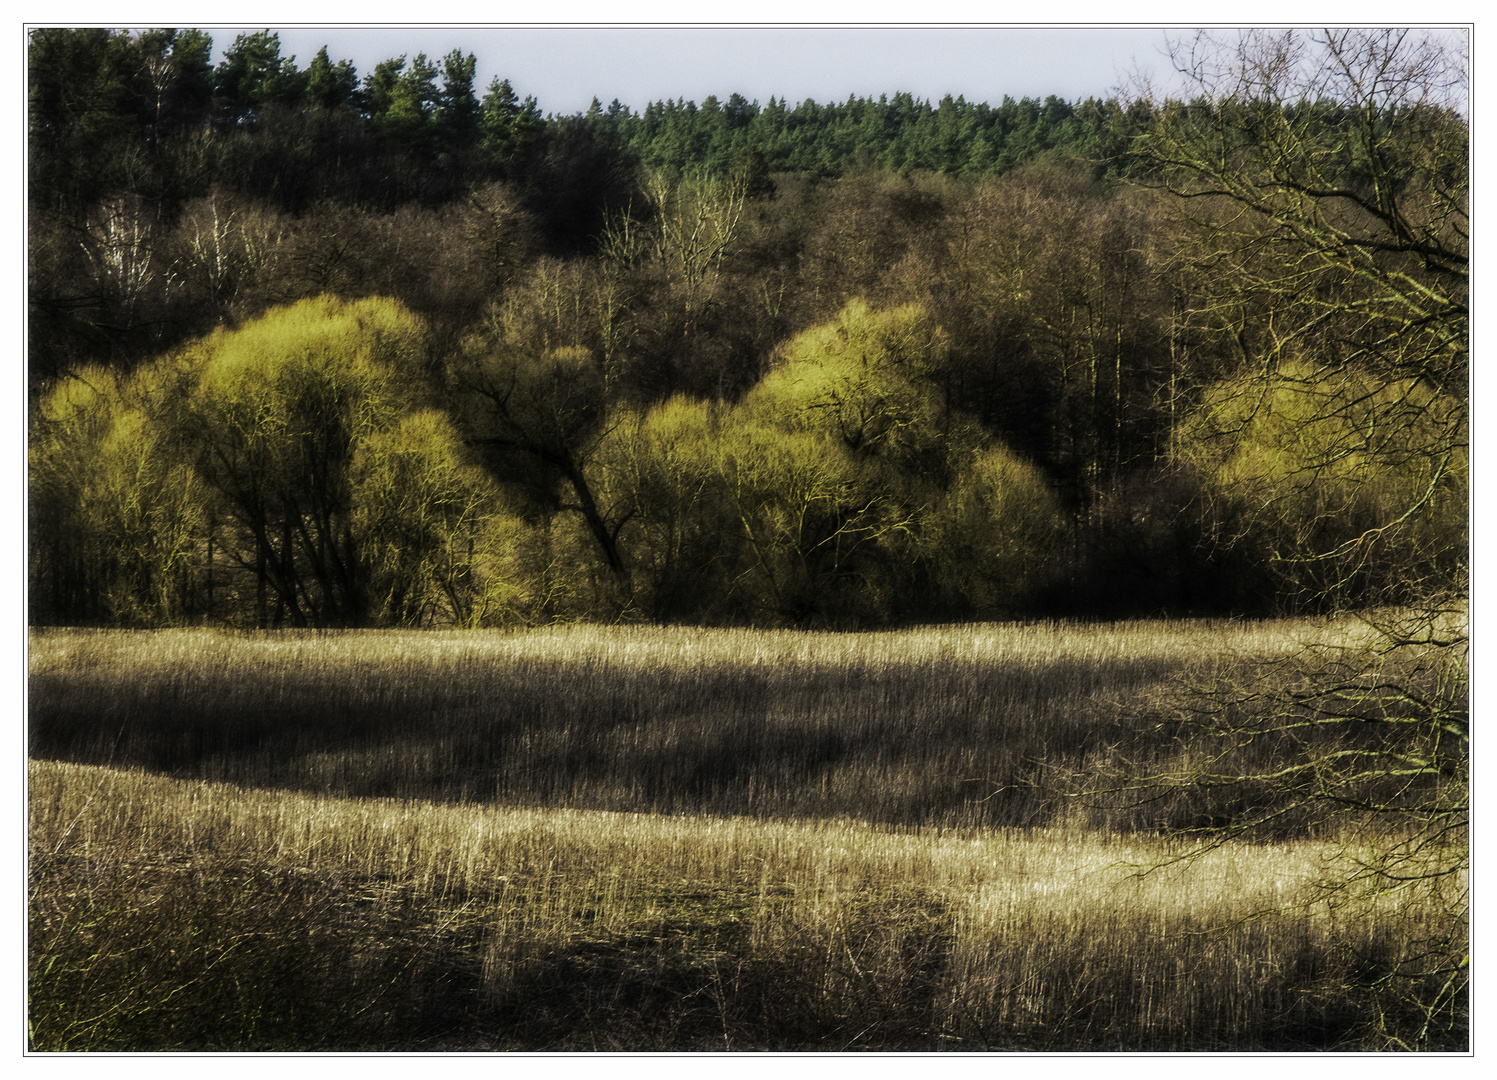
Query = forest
x=311 y=348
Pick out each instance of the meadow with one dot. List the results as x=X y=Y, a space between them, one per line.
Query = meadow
x=638 y=838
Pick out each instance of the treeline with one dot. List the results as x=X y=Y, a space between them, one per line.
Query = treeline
x=898 y=133
x=129 y=134
x=311 y=350
x=149 y=113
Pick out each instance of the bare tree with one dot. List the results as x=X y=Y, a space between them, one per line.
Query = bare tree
x=1323 y=183
x=690 y=226
x=227 y=245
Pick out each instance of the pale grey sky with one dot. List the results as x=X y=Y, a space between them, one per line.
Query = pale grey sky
x=565 y=68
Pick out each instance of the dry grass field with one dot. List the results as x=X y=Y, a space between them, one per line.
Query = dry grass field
x=664 y=839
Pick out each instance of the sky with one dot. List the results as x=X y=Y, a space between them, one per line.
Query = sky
x=565 y=68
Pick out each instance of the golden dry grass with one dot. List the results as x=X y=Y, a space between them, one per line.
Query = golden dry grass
x=1191 y=642
x=956 y=726
x=274 y=913
x=850 y=934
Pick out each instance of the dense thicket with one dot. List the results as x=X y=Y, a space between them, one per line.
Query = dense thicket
x=308 y=348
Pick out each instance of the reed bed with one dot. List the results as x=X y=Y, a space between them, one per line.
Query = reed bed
x=182 y=914
x=661 y=839
x=956 y=726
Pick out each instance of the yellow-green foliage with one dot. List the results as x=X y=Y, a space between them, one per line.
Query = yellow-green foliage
x=1309 y=462
x=121 y=507
x=70 y=423
x=153 y=506
x=829 y=491
x=759 y=516
x=993 y=538
x=662 y=470
x=281 y=408
x=863 y=380
x=429 y=523
x=290 y=453
x=838 y=456
x=322 y=368
x=818 y=519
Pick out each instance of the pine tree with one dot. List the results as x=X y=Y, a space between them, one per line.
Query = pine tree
x=329 y=85
x=508 y=129
x=253 y=74
x=457 y=108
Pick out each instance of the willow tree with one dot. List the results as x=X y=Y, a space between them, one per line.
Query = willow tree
x=1327 y=480
x=867 y=380
x=664 y=469
x=991 y=539
x=115 y=512
x=1323 y=182
x=835 y=456
x=431 y=528
x=277 y=415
